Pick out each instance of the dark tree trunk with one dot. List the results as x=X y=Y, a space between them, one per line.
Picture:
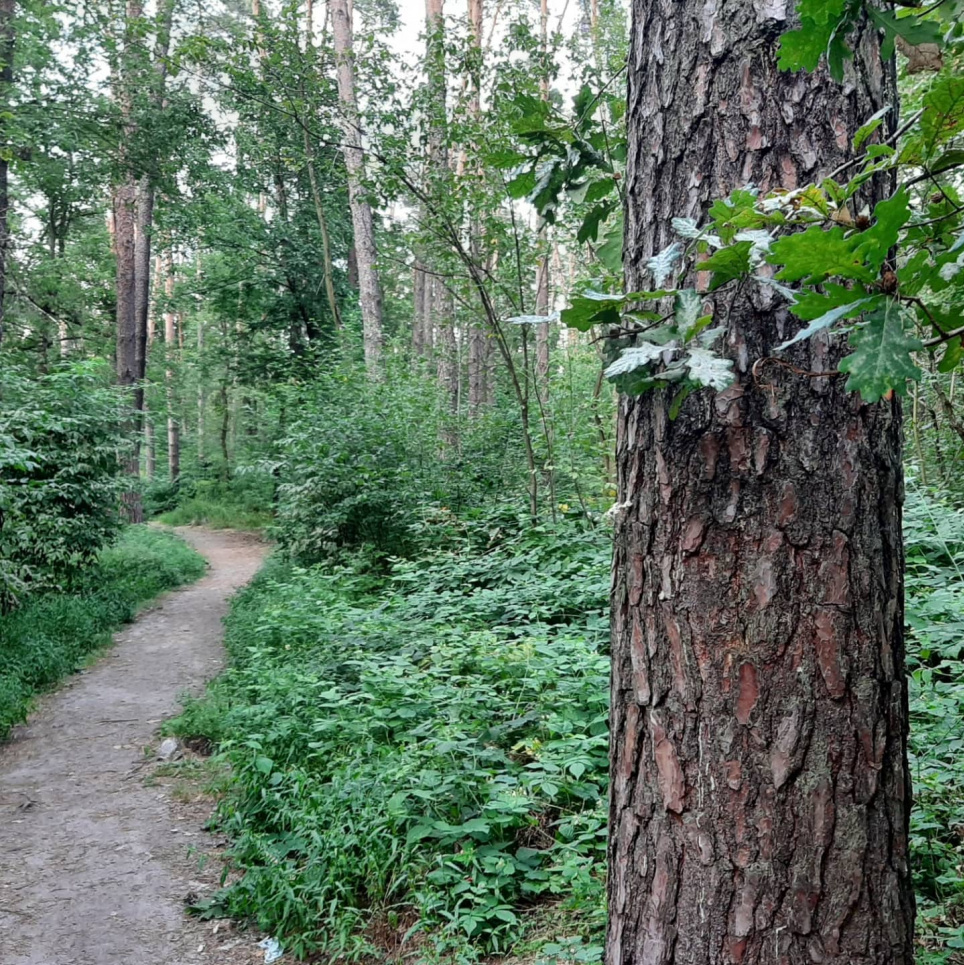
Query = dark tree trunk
x=760 y=791
x=8 y=10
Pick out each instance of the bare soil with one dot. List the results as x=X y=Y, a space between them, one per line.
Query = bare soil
x=96 y=858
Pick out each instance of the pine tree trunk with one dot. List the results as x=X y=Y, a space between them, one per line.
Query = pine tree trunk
x=542 y=268
x=370 y=293
x=420 y=284
x=201 y=396
x=8 y=10
x=144 y=218
x=760 y=790
x=150 y=442
x=126 y=353
x=171 y=348
x=478 y=348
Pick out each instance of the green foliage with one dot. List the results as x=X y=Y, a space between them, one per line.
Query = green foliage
x=244 y=502
x=365 y=463
x=429 y=747
x=60 y=475
x=934 y=533
x=883 y=359
x=432 y=748
x=825 y=27
x=54 y=632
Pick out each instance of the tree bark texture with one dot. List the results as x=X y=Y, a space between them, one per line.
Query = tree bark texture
x=420 y=284
x=760 y=790
x=170 y=352
x=8 y=10
x=437 y=177
x=363 y=223
x=542 y=268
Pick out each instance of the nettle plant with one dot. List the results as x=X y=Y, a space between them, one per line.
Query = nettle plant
x=831 y=259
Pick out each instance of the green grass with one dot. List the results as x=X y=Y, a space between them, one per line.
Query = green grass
x=52 y=634
x=203 y=511
x=243 y=502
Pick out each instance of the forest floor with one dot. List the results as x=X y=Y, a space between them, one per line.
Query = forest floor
x=97 y=856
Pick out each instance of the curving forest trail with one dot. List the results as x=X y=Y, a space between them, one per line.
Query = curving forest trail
x=93 y=865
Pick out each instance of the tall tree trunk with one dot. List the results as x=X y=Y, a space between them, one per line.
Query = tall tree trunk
x=542 y=269
x=201 y=398
x=126 y=355
x=143 y=221
x=326 y=260
x=171 y=352
x=133 y=206
x=370 y=293
x=8 y=10
x=478 y=349
x=760 y=790
x=150 y=442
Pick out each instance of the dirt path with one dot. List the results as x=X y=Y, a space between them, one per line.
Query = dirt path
x=93 y=865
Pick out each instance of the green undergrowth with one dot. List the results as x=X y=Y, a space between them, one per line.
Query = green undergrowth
x=53 y=632
x=422 y=753
x=934 y=545
x=242 y=503
x=425 y=754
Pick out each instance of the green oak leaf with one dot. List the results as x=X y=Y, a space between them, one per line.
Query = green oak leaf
x=952 y=356
x=824 y=321
x=729 y=263
x=889 y=217
x=883 y=358
x=610 y=250
x=814 y=255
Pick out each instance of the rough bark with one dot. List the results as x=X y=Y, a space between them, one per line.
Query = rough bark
x=201 y=399
x=8 y=10
x=542 y=268
x=133 y=208
x=150 y=442
x=326 y=260
x=478 y=348
x=124 y=208
x=170 y=350
x=363 y=223
x=435 y=300
x=760 y=791
x=143 y=221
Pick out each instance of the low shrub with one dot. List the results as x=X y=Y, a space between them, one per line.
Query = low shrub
x=53 y=632
x=432 y=750
x=61 y=475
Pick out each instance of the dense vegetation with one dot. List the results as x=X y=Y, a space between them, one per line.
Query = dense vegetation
x=422 y=754
x=380 y=313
